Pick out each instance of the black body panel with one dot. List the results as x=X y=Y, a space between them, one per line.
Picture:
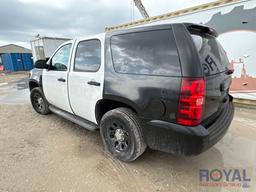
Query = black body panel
x=183 y=140
x=151 y=96
x=214 y=63
x=190 y=65
x=155 y=98
x=217 y=88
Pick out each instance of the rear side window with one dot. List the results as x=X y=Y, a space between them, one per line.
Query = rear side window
x=212 y=56
x=88 y=56
x=147 y=53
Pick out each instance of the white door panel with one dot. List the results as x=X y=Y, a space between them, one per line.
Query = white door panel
x=87 y=66
x=56 y=78
x=55 y=90
x=83 y=97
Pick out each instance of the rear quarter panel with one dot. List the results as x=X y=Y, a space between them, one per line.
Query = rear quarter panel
x=152 y=97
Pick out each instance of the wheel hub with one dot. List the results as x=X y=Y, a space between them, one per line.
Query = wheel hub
x=40 y=101
x=119 y=135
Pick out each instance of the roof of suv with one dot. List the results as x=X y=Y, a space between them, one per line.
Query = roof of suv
x=195 y=26
x=149 y=27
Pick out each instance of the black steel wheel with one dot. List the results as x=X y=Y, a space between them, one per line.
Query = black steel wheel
x=122 y=134
x=39 y=102
x=118 y=134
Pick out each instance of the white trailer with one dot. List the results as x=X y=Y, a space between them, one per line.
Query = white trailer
x=43 y=47
x=235 y=21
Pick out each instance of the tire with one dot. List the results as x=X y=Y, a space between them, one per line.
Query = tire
x=39 y=102
x=122 y=134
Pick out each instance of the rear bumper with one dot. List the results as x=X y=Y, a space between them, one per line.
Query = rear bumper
x=183 y=140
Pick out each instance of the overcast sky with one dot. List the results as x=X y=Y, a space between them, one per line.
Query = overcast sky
x=21 y=20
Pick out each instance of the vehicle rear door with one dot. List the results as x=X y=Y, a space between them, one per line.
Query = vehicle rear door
x=214 y=63
x=55 y=78
x=86 y=77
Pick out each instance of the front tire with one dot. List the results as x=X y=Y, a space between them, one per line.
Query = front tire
x=39 y=102
x=122 y=134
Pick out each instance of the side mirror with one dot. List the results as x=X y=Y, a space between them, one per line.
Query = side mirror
x=41 y=64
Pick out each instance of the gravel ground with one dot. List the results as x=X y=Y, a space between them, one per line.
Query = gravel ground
x=11 y=77
x=49 y=153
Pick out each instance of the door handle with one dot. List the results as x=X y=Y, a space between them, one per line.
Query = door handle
x=93 y=83
x=62 y=80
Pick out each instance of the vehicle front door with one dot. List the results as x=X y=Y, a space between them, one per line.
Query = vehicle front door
x=55 y=78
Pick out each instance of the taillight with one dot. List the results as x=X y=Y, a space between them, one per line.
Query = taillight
x=191 y=101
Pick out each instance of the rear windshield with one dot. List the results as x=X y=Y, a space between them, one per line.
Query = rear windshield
x=212 y=56
x=146 y=53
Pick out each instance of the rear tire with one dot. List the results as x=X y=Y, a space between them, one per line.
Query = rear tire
x=39 y=102
x=122 y=134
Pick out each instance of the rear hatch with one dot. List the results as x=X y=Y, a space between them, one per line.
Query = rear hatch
x=214 y=62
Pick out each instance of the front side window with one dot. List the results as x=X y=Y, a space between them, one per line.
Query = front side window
x=88 y=56
x=61 y=58
x=146 y=53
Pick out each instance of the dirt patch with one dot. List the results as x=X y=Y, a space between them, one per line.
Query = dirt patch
x=11 y=77
x=49 y=153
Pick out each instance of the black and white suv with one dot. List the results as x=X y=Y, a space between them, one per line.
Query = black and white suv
x=165 y=87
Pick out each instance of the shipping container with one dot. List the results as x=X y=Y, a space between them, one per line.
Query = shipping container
x=1 y=64
x=27 y=61
x=17 y=61
x=43 y=47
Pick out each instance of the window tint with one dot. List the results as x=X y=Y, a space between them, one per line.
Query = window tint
x=212 y=56
x=148 y=53
x=88 y=56
x=61 y=58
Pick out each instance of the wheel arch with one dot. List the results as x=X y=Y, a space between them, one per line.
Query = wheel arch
x=107 y=104
x=33 y=84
